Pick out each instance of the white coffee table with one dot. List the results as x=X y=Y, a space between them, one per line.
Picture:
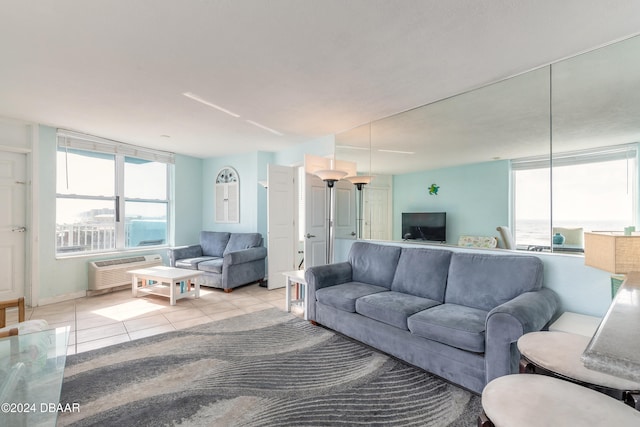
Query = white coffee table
x=163 y=281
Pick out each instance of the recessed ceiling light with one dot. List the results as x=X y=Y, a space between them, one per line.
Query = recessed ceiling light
x=265 y=128
x=210 y=104
x=352 y=147
x=397 y=151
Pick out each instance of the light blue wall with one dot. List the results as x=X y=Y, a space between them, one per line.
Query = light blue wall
x=60 y=278
x=252 y=168
x=188 y=200
x=247 y=167
x=475 y=198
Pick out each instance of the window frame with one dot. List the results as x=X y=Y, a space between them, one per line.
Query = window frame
x=588 y=156
x=120 y=151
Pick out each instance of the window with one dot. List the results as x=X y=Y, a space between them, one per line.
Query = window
x=110 y=196
x=592 y=190
x=532 y=203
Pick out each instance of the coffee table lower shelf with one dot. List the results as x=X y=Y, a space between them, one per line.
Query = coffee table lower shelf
x=174 y=283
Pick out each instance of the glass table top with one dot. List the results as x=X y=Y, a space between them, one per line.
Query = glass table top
x=31 y=373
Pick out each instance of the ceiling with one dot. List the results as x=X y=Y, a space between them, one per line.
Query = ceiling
x=589 y=101
x=118 y=69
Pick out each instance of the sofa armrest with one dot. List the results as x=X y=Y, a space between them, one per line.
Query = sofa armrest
x=323 y=276
x=245 y=255
x=182 y=252
x=506 y=323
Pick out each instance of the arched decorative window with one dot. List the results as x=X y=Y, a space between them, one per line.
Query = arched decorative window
x=227 y=196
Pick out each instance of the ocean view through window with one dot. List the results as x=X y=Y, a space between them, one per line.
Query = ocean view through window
x=592 y=190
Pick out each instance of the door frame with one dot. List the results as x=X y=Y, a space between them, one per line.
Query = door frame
x=32 y=273
x=289 y=187
x=31 y=279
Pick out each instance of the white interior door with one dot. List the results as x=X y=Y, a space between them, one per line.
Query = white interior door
x=345 y=210
x=12 y=224
x=315 y=238
x=377 y=223
x=281 y=212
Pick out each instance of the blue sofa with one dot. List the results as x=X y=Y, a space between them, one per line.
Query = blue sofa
x=228 y=260
x=455 y=314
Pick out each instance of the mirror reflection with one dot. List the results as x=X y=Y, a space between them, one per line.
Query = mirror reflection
x=374 y=200
x=596 y=105
x=552 y=151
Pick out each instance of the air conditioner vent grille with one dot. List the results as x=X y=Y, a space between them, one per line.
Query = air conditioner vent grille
x=114 y=272
x=119 y=261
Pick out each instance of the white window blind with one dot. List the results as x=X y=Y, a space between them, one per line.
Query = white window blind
x=604 y=154
x=80 y=141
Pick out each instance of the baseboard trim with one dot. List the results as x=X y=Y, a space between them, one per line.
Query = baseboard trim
x=62 y=298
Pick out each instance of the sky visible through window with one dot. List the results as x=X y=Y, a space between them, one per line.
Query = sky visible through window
x=94 y=175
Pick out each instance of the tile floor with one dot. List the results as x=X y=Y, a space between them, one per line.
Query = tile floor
x=103 y=320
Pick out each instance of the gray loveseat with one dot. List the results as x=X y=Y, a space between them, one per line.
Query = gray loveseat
x=228 y=260
x=455 y=314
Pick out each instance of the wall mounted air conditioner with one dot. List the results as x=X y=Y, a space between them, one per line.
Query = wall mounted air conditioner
x=113 y=272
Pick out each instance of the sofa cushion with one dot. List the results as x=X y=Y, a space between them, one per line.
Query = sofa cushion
x=213 y=243
x=422 y=272
x=392 y=308
x=212 y=266
x=374 y=264
x=455 y=325
x=240 y=241
x=192 y=263
x=485 y=281
x=344 y=296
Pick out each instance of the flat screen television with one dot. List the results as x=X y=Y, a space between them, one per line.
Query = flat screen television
x=427 y=226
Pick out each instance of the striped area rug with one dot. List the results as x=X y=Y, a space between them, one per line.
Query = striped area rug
x=262 y=369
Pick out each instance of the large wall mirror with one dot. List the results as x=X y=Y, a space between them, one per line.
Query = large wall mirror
x=596 y=130
x=549 y=151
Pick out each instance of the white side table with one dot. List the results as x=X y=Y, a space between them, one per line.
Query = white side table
x=293 y=277
x=576 y=324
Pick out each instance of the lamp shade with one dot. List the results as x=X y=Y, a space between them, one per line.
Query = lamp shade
x=330 y=174
x=359 y=179
x=612 y=252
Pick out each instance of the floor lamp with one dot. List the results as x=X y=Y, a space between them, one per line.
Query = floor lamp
x=359 y=181
x=330 y=176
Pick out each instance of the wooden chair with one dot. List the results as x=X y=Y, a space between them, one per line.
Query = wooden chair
x=25 y=326
x=18 y=302
x=9 y=333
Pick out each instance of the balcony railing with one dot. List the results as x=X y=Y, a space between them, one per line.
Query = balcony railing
x=96 y=237
x=85 y=237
